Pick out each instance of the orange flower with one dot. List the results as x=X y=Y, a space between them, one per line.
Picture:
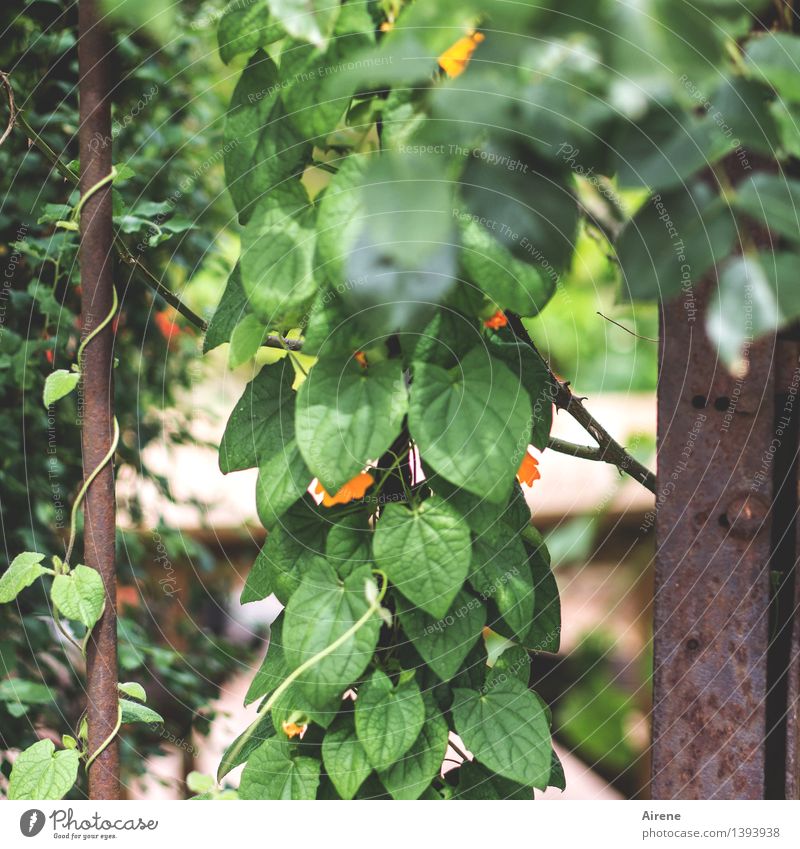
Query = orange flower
x=497 y=321
x=292 y=729
x=455 y=59
x=361 y=358
x=354 y=488
x=127 y=596
x=165 y=321
x=528 y=470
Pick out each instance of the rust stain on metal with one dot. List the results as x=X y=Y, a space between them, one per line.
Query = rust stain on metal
x=97 y=410
x=712 y=580
x=793 y=705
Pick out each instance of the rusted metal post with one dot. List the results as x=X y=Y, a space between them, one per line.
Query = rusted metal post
x=98 y=398
x=712 y=565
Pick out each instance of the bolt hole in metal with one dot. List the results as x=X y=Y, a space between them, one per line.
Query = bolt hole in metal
x=692 y=644
x=699 y=401
x=722 y=403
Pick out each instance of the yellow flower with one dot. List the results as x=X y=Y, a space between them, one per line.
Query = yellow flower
x=354 y=488
x=528 y=470
x=361 y=358
x=292 y=729
x=455 y=59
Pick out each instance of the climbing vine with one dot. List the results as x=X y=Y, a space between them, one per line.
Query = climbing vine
x=76 y=593
x=411 y=180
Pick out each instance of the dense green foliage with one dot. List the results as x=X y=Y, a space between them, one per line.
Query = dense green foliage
x=413 y=182
x=409 y=177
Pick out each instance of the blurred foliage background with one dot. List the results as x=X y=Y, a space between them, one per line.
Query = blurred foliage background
x=167 y=119
x=168 y=111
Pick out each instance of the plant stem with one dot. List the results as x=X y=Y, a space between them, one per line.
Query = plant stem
x=609 y=450
x=457 y=750
x=73 y=522
x=308 y=664
x=104 y=745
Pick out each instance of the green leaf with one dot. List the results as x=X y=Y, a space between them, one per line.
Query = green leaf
x=245 y=26
x=349 y=543
x=472 y=424
x=787 y=120
x=536 y=218
x=293 y=546
x=388 y=718
x=653 y=42
x=537 y=380
x=507 y=730
x=134 y=690
x=332 y=329
x=514 y=662
x=665 y=149
x=445 y=642
x=273 y=669
x=27 y=692
x=277 y=258
x=341 y=213
x=273 y=771
x=246 y=339
x=672 y=241
x=500 y=573
x=344 y=757
x=425 y=551
x=409 y=776
x=774 y=58
x=197 y=782
x=258 y=425
x=136 y=712
x=230 y=311
x=80 y=595
x=748 y=303
x=282 y=480
x=403 y=260
x=261 y=146
x=234 y=756
x=320 y=611
x=557 y=777
x=445 y=342
x=308 y=20
x=313 y=96
x=545 y=630
x=260 y=431
x=477 y=783
x=293 y=705
x=348 y=416
x=25 y=568
x=41 y=773
x=58 y=384
x=749 y=108
x=772 y=200
x=511 y=283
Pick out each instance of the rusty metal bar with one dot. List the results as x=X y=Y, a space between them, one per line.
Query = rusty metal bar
x=793 y=702
x=712 y=565
x=784 y=453
x=789 y=590
x=96 y=268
